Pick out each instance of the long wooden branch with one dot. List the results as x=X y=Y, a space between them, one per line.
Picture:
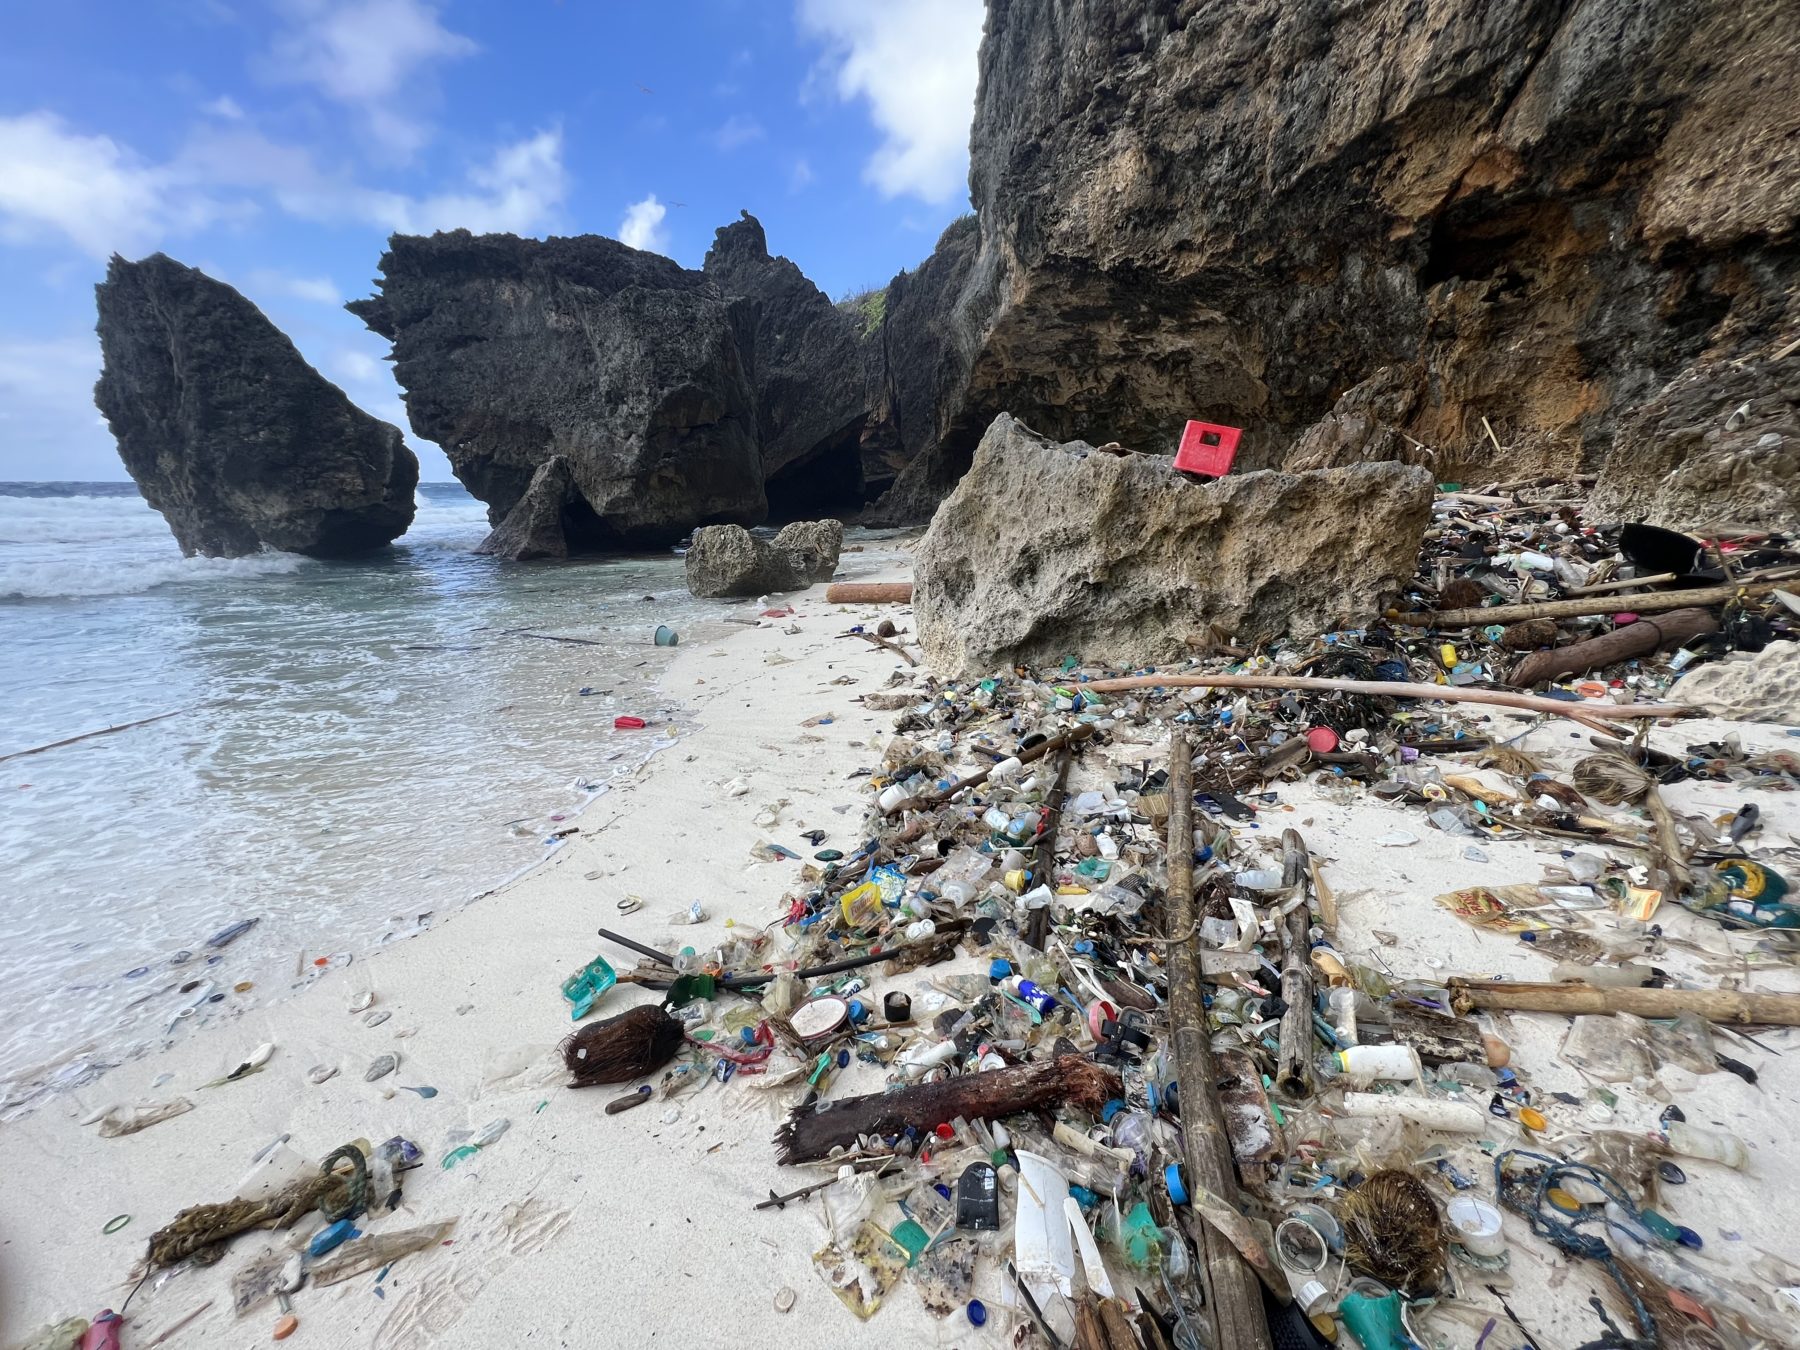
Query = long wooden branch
x=1294 y=1063
x=1634 y=639
x=1716 y=1005
x=1583 y=607
x=1038 y=927
x=812 y=1132
x=1234 y=1296
x=1445 y=693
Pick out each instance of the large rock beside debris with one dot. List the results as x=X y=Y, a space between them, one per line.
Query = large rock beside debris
x=1238 y=212
x=1046 y=550
x=230 y=433
x=727 y=560
x=1719 y=446
x=1748 y=687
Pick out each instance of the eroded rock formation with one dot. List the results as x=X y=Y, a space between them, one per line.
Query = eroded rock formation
x=1539 y=214
x=1047 y=549
x=229 y=433
x=678 y=398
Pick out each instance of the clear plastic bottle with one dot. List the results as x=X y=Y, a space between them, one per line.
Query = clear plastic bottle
x=1694 y=1141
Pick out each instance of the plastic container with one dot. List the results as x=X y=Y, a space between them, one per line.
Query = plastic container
x=1453 y=1117
x=1386 y=1063
x=625 y=722
x=667 y=636
x=1721 y=1146
x=1477 y=1225
x=891 y=796
x=1207 y=448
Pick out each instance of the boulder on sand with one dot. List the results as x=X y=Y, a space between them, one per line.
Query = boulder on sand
x=1046 y=550
x=729 y=560
x=812 y=546
x=230 y=433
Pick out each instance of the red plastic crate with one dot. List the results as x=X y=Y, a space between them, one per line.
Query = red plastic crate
x=1207 y=448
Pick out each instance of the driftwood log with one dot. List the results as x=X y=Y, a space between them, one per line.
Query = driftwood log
x=1038 y=926
x=812 y=1132
x=1294 y=1064
x=1634 y=639
x=1233 y=1293
x=869 y=593
x=1583 y=607
x=1716 y=1005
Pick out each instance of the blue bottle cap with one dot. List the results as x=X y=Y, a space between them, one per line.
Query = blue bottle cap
x=977 y=1312
x=1000 y=970
x=1110 y=1110
x=1177 y=1187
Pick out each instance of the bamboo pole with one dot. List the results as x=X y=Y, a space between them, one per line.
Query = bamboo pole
x=1294 y=1063
x=1233 y=1294
x=1073 y=736
x=869 y=593
x=1444 y=693
x=1581 y=608
x=1716 y=1005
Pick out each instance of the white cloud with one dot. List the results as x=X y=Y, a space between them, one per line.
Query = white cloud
x=354 y=367
x=914 y=62
x=643 y=225
x=801 y=175
x=91 y=190
x=738 y=130
x=224 y=107
x=368 y=55
x=317 y=290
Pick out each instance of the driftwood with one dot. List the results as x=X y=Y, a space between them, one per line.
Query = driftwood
x=1233 y=1296
x=1581 y=608
x=1445 y=693
x=1634 y=639
x=1294 y=1063
x=89 y=735
x=1622 y=584
x=893 y=647
x=812 y=1132
x=550 y=637
x=1716 y=1005
x=869 y=593
x=1038 y=926
x=1073 y=736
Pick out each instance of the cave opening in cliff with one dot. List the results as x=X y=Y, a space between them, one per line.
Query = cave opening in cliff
x=583 y=529
x=827 y=483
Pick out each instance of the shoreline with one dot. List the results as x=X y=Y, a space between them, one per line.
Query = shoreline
x=639 y=1227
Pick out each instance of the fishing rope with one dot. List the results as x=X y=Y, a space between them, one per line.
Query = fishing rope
x=1527 y=1195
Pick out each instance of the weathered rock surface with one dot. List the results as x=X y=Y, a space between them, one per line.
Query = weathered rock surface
x=729 y=560
x=1047 y=549
x=1748 y=687
x=678 y=398
x=1720 y=445
x=1545 y=212
x=811 y=547
x=534 y=528
x=626 y=364
x=806 y=364
x=229 y=433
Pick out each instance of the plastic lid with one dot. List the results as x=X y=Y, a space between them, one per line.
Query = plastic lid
x=819 y=1017
x=1322 y=740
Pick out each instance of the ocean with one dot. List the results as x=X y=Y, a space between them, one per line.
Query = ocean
x=355 y=750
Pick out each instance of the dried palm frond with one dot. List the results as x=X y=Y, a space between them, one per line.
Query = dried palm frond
x=1512 y=763
x=1612 y=779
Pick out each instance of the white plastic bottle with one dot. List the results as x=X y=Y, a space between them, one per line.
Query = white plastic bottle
x=1391 y=1063
x=1691 y=1141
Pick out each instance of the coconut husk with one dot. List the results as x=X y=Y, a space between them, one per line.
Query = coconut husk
x=632 y=1045
x=1611 y=779
x=201 y=1231
x=1512 y=763
x=1393 y=1231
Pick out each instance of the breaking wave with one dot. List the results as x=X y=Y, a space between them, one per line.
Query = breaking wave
x=81 y=579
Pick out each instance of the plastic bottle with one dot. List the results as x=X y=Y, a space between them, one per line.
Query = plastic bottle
x=1343 y=1014
x=1455 y=1117
x=1392 y=1063
x=1693 y=1141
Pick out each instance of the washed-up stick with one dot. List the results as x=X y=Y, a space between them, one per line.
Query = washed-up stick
x=1233 y=1297
x=1444 y=693
x=1716 y=1005
x=893 y=647
x=752 y=978
x=811 y=1132
x=550 y=637
x=1038 y=925
x=869 y=593
x=1294 y=1062
x=1580 y=608
x=89 y=735
x=1622 y=584
x=1073 y=736
x=1633 y=639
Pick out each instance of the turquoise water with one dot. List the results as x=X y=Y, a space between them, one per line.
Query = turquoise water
x=357 y=747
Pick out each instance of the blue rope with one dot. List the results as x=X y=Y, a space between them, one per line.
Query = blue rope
x=1527 y=1195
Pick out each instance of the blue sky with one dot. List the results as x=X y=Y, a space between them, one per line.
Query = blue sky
x=276 y=143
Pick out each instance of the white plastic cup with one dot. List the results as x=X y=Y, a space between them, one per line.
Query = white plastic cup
x=891 y=796
x=1477 y=1225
